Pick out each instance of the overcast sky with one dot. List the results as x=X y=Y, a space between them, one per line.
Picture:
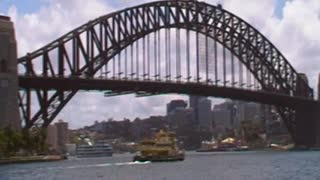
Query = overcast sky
x=293 y=26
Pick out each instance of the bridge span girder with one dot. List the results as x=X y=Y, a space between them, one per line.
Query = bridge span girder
x=163 y=87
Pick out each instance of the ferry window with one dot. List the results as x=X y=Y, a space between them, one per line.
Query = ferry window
x=3 y=66
x=147 y=143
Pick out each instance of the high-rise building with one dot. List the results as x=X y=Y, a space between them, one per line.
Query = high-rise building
x=193 y=103
x=222 y=120
x=52 y=137
x=62 y=135
x=175 y=104
x=9 y=110
x=248 y=111
x=204 y=116
x=273 y=123
x=230 y=114
x=201 y=112
x=224 y=116
x=180 y=117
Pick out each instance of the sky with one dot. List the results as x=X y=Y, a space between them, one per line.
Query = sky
x=291 y=25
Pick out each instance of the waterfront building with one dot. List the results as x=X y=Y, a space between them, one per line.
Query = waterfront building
x=51 y=139
x=62 y=135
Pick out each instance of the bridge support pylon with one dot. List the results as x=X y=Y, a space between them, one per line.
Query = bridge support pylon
x=9 y=109
x=308 y=126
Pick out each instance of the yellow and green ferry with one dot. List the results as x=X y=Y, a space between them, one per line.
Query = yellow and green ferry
x=163 y=147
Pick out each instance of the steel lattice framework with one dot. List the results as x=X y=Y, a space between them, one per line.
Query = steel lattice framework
x=85 y=51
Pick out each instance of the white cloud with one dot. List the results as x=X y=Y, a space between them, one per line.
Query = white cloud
x=296 y=35
x=36 y=29
x=256 y=12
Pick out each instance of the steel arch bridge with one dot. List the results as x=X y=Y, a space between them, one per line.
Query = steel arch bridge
x=166 y=47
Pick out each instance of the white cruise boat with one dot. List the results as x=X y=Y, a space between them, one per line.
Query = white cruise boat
x=96 y=150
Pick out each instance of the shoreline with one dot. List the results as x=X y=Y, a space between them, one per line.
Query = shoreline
x=285 y=148
x=31 y=159
x=52 y=158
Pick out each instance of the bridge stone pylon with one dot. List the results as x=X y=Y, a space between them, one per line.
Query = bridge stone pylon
x=9 y=109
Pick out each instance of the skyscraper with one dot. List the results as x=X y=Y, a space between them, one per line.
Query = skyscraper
x=175 y=104
x=249 y=111
x=204 y=115
x=231 y=114
x=223 y=116
x=193 y=103
x=202 y=112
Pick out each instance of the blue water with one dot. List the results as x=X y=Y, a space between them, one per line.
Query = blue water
x=197 y=166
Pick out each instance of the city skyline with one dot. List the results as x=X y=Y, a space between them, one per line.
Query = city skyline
x=168 y=110
x=185 y=108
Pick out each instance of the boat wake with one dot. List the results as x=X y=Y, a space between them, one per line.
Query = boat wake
x=82 y=166
x=106 y=165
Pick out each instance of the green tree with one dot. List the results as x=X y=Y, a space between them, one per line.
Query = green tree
x=35 y=140
x=10 y=142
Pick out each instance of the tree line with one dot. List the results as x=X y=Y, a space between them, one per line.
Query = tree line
x=22 y=143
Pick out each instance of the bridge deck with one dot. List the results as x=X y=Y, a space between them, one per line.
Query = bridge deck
x=167 y=87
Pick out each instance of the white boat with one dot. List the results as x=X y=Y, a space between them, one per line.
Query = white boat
x=96 y=150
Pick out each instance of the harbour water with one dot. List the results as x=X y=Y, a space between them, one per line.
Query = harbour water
x=197 y=166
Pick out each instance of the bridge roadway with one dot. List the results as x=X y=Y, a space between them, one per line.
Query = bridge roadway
x=164 y=87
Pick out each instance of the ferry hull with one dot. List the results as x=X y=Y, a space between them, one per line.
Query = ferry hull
x=158 y=158
x=108 y=154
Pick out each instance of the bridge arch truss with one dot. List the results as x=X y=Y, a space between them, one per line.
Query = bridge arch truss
x=89 y=49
